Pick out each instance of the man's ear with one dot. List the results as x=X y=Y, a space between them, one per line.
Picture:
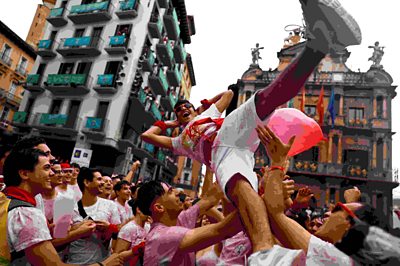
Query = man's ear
x=158 y=208
x=86 y=182
x=23 y=174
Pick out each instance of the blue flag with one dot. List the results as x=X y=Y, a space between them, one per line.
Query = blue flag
x=331 y=107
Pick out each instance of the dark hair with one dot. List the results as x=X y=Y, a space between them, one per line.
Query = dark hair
x=28 y=143
x=180 y=102
x=75 y=165
x=25 y=159
x=4 y=149
x=85 y=174
x=133 y=204
x=195 y=201
x=147 y=193
x=55 y=162
x=119 y=185
x=182 y=197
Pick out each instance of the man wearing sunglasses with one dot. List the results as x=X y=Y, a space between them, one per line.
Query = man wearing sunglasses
x=228 y=146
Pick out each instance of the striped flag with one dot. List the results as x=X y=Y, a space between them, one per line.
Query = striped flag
x=320 y=107
x=331 y=107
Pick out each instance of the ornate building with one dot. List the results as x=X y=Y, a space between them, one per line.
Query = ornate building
x=358 y=146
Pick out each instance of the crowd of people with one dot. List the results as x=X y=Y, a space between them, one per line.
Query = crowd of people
x=56 y=213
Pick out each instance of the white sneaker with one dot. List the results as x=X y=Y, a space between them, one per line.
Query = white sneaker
x=329 y=25
x=278 y=256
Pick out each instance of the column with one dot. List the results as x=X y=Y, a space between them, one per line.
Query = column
x=330 y=149
x=374 y=108
x=385 y=151
x=384 y=107
x=340 y=151
x=341 y=105
x=374 y=155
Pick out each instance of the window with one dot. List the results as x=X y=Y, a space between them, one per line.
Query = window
x=5 y=54
x=356 y=114
x=310 y=110
x=186 y=178
x=79 y=33
x=379 y=106
x=83 y=68
x=13 y=88
x=22 y=65
x=188 y=163
x=4 y=113
x=55 y=107
x=66 y=68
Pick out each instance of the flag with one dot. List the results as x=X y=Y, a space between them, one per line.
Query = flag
x=290 y=103
x=331 y=107
x=303 y=99
x=320 y=107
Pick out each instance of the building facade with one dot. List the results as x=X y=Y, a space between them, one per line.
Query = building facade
x=358 y=146
x=106 y=71
x=38 y=26
x=16 y=61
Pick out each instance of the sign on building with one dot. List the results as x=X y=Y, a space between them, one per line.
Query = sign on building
x=81 y=157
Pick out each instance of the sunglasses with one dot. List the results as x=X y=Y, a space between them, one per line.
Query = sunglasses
x=341 y=207
x=180 y=107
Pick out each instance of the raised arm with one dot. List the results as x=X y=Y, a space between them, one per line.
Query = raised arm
x=205 y=236
x=288 y=231
x=221 y=101
x=153 y=134
x=132 y=171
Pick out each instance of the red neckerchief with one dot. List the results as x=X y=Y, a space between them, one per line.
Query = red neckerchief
x=20 y=194
x=193 y=130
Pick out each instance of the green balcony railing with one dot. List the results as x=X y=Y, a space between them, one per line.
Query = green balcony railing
x=173 y=100
x=66 y=79
x=175 y=16
x=89 y=8
x=183 y=51
x=163 y=80
x=142 y=96
x=76 y=42
x=148 y=147
x=53 y=119
x=56 y=12
x=161 y=156
x=33 y=79
x=105 y=80
x=117 y=40
x=151 y=58
x=178 y=73
x=156 y=112
x=127 y=5
x=159 y=25
x=93 y=123
x=20 y=117
x=45 y=44
x=169 y=49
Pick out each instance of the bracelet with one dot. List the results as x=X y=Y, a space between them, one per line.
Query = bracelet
x=206 y=103
x=161 y=125
x=101 y=264
x=276 y=168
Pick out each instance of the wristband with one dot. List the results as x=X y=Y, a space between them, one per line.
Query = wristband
x=113 y=228
x=206 y=103
x=276 y=168
x=161 y=124
x=139 y=249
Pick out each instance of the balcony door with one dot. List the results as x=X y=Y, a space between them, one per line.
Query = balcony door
x=102 y=113
x=73 y=113
x=66 y=68
x=96 y=34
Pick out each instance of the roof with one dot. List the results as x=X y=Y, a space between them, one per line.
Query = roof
x=12 y=36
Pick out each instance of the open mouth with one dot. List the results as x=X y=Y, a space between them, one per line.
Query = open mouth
x=186 y=114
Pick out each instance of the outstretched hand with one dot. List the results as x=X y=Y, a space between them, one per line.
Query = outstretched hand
x=277 y=151
x=304 y=195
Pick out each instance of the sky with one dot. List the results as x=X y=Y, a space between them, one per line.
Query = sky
x=226 y=30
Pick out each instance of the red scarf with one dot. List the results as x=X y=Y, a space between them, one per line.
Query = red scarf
x=193 y=130
x=20 y=194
